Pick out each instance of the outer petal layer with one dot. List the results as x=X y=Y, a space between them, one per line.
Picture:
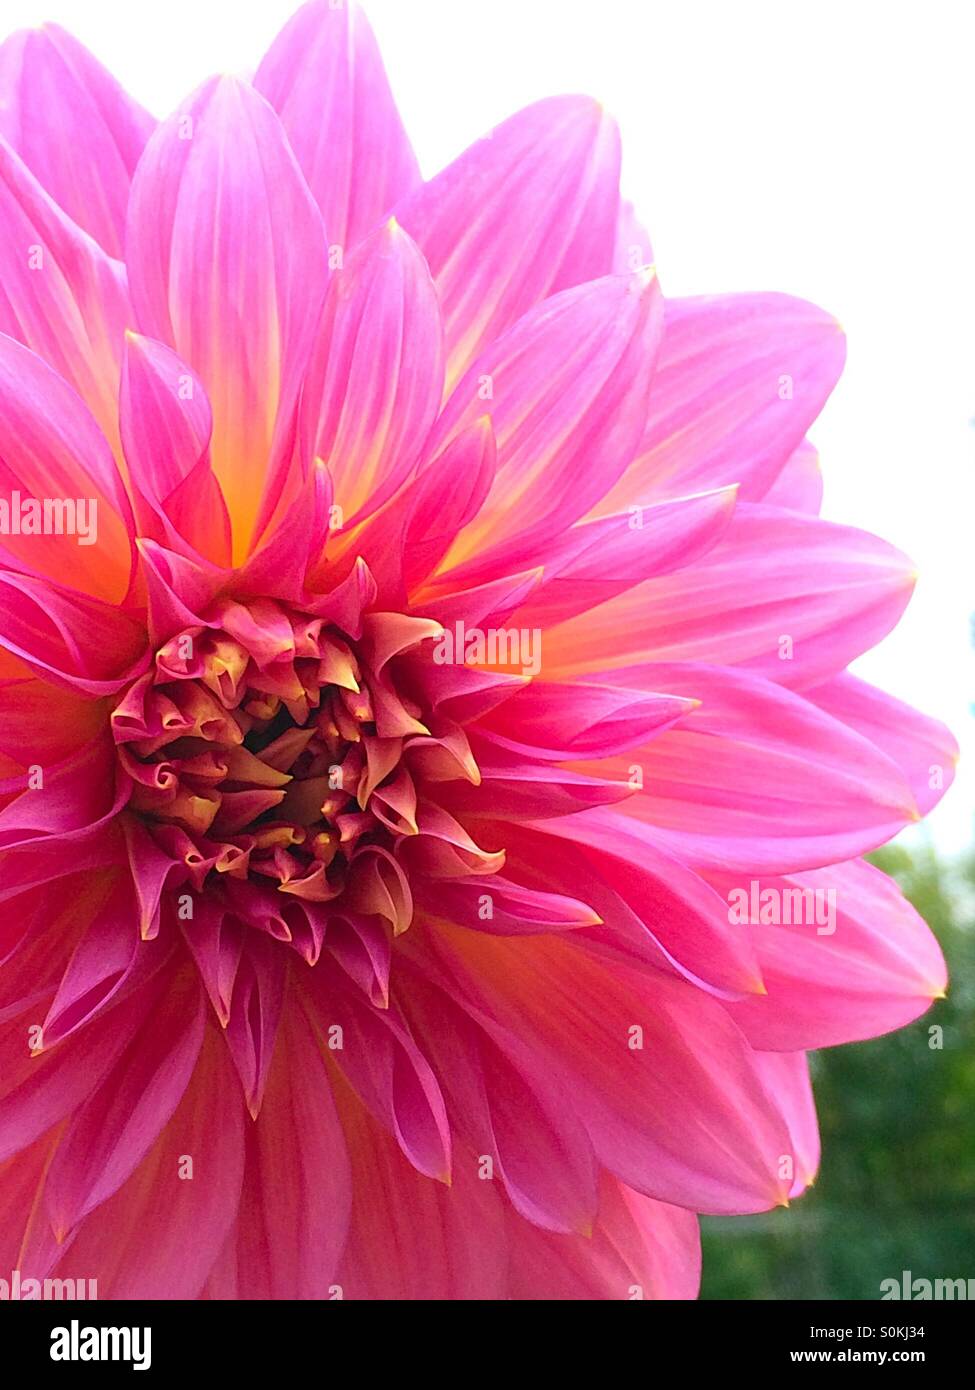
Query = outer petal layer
x=525 y=213
x=227 y=262
x=324 y=77
x=74 y=126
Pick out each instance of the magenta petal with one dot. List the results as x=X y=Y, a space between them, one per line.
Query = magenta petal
x=406 y=540
x=922 y=747
x=639 y=1249
x=652 y=906
x=874 y=967
x=110 y=962
x=255 y=1013
x=51 y=448
x=83 y=644
x=375 y=379
x=799 y=487
x=759 y=778
x=790 y=597
x=593 y=562
x=172 y=1204
x=786 y=1076
x=166 y=423
x=574 y=1013
x=390 y=1074
x=324 y=76
x=502 y=907
x=541 y=1152
x=113 y=1131
x=400 y=1218
x=739 y=381
x=555 y=723
x=63 y=297
x=78 y=791
x=527 y=212
x=227 y=264
x=60 y=1081
x=566 y=424
x=296 y=1162
x=51 y=85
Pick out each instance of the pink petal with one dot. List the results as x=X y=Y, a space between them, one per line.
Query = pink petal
x=182 y=1214
x=878 y=970
x=574 y=1014
x=375 y=378
x=513 y=789
x=51 y=448
x=923 y=748
x=62 y=295
x=596 y=560
x=227 y=263
x=566 y=423
x=539 y=1150
x=413 y=1238
x=651 y=906
x=45 y=1088
x=739 y=381
x=759 y=778
x=799 y=486
x=787 y=1078
x=297 y=1164
x=83 y=644
x=790 y=597
x=80 y=790
x=382 y=1063
x=27 y=725
x=20 y=1180
x=404 y=542
x=554 y=723
x=279 y=568
x=527 y=212
x=113 y=1131
x=110 y=962
x=640 y=1249
x=515 y=910
x=324 y=76
x=166 y=423
x=255 y=1013
x=74 y=127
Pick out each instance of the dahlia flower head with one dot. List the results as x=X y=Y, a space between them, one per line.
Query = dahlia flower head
x=418 y=632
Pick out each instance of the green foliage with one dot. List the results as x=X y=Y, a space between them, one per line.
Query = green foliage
x=896 y=1189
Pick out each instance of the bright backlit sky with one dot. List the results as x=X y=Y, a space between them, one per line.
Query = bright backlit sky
x=824 y=148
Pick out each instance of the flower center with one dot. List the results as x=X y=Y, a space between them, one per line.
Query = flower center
x=267 y=748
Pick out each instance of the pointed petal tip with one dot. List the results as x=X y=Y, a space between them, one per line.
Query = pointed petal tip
x=643 y=279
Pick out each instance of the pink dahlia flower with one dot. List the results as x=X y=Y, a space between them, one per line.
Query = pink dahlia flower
x=419 y=642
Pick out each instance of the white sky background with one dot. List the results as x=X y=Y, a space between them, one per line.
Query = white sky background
x=826 y=149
